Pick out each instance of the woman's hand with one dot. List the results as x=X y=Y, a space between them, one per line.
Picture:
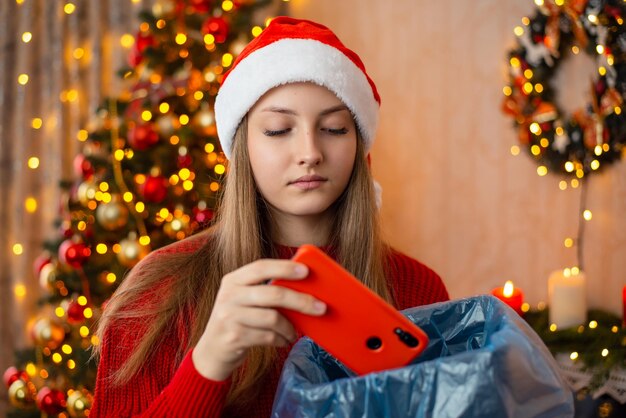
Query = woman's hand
x=244 y=315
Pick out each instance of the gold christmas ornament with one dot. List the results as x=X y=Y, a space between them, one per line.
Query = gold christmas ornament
x=131 y=252
x=86 y=191
x=79 y=404
x=48 y=277
x=112 y=215
x=20 y=394
x=177 y=227
x=163 y=7
x=238 y=45
x=167 y=124
x=48 y=333
x=204 y=118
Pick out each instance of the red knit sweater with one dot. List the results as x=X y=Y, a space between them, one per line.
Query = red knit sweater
x=167 y=389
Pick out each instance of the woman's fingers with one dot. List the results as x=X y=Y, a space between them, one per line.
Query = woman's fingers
x=261 y=271
x=274 y=296
x=267 y=319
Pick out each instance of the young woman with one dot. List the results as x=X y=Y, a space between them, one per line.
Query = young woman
x=193 y=331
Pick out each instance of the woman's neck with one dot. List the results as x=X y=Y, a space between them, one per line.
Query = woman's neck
x=293 y=231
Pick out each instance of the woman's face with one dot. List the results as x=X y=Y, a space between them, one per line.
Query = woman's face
x=302 y=147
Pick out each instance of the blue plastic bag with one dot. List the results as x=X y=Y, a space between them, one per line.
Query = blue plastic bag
x=483 y=360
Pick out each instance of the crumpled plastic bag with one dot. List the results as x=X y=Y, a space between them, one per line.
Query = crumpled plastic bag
x=483 y=360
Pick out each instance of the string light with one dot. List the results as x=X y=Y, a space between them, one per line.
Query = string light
x=18 y=249
x=33 y=163
x=84 y=331
x=111 y=278
x=587 y=215
x=568 y=242
x=563 y=185
x=227 y=5
x=227 y=59
x=181 y=38
x=127 y=40
x=593 y=324
x=140 y=207
x=219 y=169
x=30 y=204
x=515 y=150
x=574 y=355
x=69 y=8
x=22 y=79
x=82 y=135
x=256 y=31
x=78 y=53
x=31 y=369
x=20 y=291
x=27 y=37
x=542 y=170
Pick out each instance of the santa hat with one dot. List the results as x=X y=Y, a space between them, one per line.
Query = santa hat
x=289 y=51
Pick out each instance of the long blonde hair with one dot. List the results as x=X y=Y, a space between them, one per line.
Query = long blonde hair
x=240 y=235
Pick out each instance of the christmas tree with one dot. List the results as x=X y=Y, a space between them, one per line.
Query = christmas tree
x=149 y=173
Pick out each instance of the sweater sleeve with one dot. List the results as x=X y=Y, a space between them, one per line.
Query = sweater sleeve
x=413 y=283
x=160 y=390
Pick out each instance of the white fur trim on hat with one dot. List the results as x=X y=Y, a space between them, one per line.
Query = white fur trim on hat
x=291 y=61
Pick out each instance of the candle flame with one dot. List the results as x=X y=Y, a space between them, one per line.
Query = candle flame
x=508 y=289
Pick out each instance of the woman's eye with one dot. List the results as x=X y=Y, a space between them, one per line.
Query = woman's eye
x=341 y=131
x=267 y=132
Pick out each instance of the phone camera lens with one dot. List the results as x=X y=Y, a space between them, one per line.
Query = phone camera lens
x=406 y=338
x=374 y=343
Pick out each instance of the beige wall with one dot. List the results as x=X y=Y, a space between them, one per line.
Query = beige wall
x=454 y=196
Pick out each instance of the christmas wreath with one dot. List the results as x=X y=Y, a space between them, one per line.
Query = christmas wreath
x=593 y=136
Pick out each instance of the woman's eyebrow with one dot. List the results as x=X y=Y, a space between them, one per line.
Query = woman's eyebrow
x=285 y=111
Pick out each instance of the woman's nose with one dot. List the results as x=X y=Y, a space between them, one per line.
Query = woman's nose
x=308 y=149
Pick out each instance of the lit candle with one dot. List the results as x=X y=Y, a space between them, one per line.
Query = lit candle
x=567 y=298
x=510 y=295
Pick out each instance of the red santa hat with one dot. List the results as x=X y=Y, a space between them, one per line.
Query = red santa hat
x=289 y=51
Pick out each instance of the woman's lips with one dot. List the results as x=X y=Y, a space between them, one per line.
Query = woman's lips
x=308 y=182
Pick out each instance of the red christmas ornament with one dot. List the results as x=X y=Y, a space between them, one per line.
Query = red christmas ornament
x=73 y=253
x=12 y=374
x=142 y=41
x=154 y=189
x=50 y=401
x=75 y=312
x=83 y=167
x=217 y=27
x=142 y=137
x=184 y=161
x=200 y=6
x=39 y=263
x=203 y=215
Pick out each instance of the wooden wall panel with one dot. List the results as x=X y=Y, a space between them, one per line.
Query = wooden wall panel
x=454 y=196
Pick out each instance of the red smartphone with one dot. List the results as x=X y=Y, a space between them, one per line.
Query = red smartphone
x=359 y=328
